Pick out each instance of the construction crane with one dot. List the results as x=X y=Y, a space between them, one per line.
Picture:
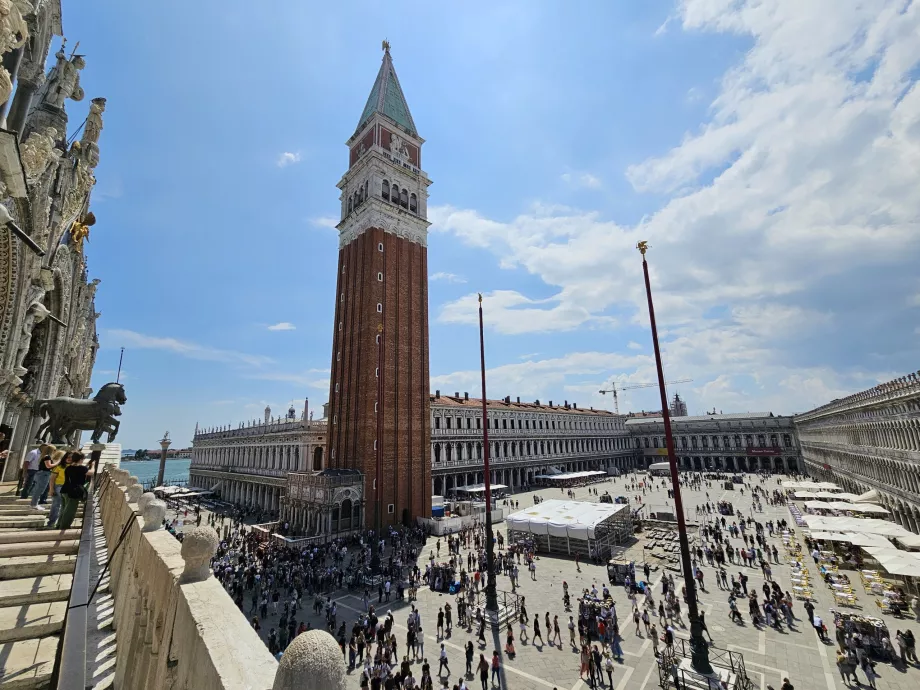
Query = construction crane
x=613 y=389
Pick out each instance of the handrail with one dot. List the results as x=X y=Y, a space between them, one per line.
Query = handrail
x=70 y=660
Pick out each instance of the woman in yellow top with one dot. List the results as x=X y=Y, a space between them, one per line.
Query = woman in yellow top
x=57 y=481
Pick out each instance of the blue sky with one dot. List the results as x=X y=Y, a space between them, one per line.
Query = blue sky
x=769 y=151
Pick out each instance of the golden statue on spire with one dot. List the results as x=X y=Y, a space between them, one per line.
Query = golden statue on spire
x=386 y=46
x=642 y=247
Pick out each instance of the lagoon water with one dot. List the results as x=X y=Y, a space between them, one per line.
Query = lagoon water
x=146 y=470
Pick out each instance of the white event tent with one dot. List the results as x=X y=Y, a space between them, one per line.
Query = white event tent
x=572 y=526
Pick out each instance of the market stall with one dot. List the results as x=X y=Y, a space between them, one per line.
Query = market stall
x=873 y=630
x=570 y=527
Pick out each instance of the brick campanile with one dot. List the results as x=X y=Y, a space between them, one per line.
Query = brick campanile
x=383 y=281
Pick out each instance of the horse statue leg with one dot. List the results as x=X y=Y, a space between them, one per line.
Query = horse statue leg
x=113 y=429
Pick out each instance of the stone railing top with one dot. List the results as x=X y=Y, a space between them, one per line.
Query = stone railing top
x=896 y=388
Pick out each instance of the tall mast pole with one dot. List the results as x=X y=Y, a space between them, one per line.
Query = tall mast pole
x=120 y=359
x=491 y=595
x=699 y=649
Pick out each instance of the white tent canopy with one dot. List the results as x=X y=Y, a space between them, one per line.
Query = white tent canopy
x=844 y=505
x=811 y=486
x=571 y=475
x=853 y=538
x=855 y=524
x=909 y=541
x=479 y=488
x=869 y=497
x=557 y=518
x=805 y=494
x=896 y=562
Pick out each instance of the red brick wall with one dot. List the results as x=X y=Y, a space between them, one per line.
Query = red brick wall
x=405 y=446
x=368 y=141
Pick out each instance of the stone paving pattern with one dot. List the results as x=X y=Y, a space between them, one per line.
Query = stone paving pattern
x=768 y=654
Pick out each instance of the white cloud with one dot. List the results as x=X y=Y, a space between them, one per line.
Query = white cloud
x=447 y=277
x=310 y=378
x=282 y=326
x=324 y=222
x=510 y=312
x=793 y=216
x=288 y=158
x=582 y=179
x=132 y=339
x=633 y=345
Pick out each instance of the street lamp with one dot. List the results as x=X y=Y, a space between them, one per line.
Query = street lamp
x=699 y=649
x=164 y=446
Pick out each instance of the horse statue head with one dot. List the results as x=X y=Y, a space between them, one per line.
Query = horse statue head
x=111 y=392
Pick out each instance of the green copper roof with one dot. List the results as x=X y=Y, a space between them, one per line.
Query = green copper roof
x=387 y=98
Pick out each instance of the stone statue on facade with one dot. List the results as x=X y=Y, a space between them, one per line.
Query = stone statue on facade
x=66 y=416
x=14 y=32
x=64 y=80
x=36 y=312
x=93 y=127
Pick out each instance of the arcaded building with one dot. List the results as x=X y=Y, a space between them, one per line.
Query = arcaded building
x=870 y=441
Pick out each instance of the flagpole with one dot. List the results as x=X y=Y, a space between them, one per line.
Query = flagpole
x=491 y=595
x=699 y=650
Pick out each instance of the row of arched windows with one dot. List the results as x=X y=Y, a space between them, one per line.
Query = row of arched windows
x=402 y=197
x=512 y=423
x=358 y=197
x=520 y=449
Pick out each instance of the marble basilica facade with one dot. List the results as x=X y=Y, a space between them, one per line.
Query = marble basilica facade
x=48 y=339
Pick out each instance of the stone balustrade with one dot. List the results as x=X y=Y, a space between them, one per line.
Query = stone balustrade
x=176 y=627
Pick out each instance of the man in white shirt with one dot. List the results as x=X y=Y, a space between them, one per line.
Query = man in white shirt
x=29 y=468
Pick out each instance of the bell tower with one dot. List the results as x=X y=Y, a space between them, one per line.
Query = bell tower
x=378 y=397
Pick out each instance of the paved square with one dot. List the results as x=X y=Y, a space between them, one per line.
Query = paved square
x=769 y=655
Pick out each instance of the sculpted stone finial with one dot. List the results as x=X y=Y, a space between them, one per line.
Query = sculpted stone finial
x=198 y=548
x=38 y=152
x=313 y=661
x=154 y=513
x=134 y=492
x=144 y=500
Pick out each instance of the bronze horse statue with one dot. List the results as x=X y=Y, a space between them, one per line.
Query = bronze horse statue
x=66 y=416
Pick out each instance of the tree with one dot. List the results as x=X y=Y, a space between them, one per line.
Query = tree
x=140 y=455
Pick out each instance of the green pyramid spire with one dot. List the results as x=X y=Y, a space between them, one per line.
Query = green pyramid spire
x=387 y=97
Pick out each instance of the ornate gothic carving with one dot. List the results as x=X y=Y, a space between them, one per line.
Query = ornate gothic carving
x=408 y=228
x=38 y=152
x=13 y=34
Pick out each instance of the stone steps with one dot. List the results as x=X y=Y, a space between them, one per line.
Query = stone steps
x=36 y=590
x=40 y=548
x=36 y=575
x=27 y=664
x=23 y=535
x=31 y=621
x=20 y=567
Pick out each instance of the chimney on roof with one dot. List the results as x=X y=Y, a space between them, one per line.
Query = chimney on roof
x=456 y=394
x=437 y=394
x=574 y=406
x=519 y=400
x=466 y=396
x=507 y=399
x=537 y=401
x=550 y=403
